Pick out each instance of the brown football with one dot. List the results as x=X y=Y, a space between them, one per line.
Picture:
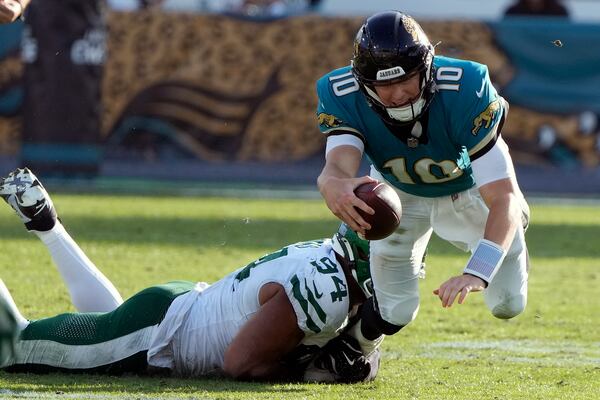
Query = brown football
x=388 y=210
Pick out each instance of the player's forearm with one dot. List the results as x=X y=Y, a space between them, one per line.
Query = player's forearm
x=270 y=334
x=329 y=172
x=505 y=213
x=501 y=226
x=342 y=162
x=503 y=220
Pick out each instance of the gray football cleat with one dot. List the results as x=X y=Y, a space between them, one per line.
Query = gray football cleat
x=22 y=190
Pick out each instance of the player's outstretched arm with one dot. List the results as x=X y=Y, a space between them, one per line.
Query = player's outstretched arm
x=10 y=10
x=337 y=183
x=502 y=198
x=257 y=350
x=503 y=201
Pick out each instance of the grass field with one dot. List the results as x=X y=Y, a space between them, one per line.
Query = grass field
x=551 y=351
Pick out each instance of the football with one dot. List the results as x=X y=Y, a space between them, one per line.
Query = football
x=386 y=203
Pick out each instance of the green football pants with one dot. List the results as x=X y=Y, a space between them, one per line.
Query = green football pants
x=115 y=342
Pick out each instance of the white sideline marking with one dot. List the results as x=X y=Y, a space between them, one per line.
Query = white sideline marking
x=525 y=351
x=14 y=394
x=46 y=395
x=527 y=346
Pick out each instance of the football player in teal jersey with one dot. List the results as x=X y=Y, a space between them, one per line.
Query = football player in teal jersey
x=430 y=126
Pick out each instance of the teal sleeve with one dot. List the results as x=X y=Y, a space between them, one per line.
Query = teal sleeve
x=332 y=116
x=482 y=108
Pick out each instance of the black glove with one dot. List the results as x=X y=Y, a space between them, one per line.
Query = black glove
x=342 y=360
x=297 y=360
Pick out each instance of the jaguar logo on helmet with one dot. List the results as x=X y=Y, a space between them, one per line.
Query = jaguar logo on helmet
x=414 y=29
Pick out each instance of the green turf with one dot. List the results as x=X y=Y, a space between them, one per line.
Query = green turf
x=551 y=351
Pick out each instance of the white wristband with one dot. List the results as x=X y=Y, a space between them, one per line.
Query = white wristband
x=485 y=261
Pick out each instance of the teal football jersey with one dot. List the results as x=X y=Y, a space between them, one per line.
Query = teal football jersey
x=460 y=123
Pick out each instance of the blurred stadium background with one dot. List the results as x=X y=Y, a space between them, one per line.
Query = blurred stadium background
x=220 y=93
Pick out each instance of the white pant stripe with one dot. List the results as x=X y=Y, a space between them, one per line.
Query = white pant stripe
x=47 y=352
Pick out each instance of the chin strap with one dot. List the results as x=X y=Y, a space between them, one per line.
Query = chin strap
x=406 y=113
x=401 y=113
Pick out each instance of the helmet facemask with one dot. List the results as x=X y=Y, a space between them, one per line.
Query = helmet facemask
x=410 y=111
x=355 y=250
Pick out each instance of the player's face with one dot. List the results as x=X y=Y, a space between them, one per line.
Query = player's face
x=400 y=93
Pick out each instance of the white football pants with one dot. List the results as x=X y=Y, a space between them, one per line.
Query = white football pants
x=459 y=219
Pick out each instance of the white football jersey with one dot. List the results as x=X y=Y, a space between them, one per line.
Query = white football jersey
x=200 y=325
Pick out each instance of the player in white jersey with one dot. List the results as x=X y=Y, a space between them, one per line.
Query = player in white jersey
x=257 y=322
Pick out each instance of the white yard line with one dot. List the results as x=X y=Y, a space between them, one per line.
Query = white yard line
x=15 y=394
x=523 y=346
x=524 y=351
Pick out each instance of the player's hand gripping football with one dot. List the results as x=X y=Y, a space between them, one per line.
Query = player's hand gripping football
x=10 y=10
x=341 y=200
x=462 y=284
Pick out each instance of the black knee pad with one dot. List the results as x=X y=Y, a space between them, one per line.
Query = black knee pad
x=373 y=325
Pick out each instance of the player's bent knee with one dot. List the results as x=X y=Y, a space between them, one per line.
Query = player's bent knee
x=393 y=322
x=510 y=308
x=402 y=313
x=402 y=317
